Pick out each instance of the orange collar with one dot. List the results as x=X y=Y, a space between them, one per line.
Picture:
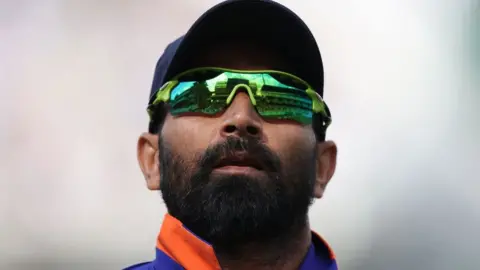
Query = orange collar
x=191 y=252
x=184 y=247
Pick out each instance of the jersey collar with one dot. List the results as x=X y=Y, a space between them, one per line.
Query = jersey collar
x=182 y=249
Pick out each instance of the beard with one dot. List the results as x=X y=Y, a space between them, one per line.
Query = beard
x=232 y=211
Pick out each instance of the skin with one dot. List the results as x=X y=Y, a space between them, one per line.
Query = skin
x=191 y=134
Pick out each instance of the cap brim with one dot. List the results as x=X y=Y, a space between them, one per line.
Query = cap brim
x=266 y=21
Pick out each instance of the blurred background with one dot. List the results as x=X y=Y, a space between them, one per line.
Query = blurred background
x=401 y=81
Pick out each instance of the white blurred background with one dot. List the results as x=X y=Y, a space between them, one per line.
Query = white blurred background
x=400 y=80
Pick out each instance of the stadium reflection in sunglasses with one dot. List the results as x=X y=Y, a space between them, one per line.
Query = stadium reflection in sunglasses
x=274 y=94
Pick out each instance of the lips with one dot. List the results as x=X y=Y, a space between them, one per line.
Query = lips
x=240 y=160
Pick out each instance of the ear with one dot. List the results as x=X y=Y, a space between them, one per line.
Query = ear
x=148 y=159
x=326 y=164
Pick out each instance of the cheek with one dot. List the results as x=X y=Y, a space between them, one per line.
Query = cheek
x=287 y=139
x=188 y=134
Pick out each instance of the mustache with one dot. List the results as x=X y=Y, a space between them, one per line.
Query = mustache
x=233 y=145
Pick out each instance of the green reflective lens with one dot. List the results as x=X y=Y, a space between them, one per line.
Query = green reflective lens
x=275 y=95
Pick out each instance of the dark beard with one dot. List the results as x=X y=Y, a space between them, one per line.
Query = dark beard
x=231 y=211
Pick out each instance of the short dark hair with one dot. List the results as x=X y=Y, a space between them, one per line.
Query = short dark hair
x=158 y=119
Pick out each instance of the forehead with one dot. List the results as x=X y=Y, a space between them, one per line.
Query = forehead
x=240 y=55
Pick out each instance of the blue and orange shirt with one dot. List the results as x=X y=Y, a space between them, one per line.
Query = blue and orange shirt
x=179 y=249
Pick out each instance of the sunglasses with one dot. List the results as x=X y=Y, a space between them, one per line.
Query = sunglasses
x=275 y=95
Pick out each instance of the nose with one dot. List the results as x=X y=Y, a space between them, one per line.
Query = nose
x=241 y=118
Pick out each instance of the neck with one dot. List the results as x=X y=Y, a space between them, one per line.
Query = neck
x=283 y=253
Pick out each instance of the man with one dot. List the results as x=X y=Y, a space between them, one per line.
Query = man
x=236 y=142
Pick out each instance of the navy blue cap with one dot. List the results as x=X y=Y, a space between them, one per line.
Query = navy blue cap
x=262 y=21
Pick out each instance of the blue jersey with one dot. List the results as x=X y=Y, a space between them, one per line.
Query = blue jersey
x=179 y=249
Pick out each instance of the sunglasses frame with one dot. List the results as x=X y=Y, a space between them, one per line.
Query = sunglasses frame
x=162 y=95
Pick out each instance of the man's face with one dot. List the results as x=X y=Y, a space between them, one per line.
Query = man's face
x=234 y=178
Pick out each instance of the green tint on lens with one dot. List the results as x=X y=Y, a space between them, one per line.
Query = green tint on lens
x=274 y=94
